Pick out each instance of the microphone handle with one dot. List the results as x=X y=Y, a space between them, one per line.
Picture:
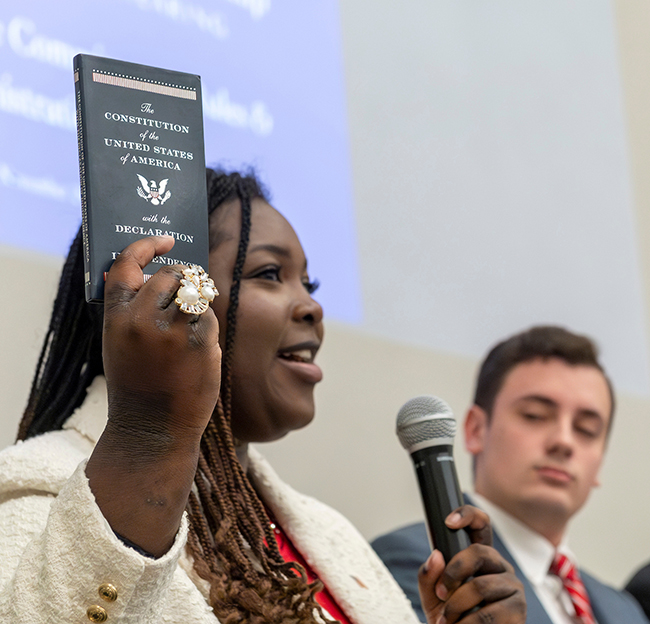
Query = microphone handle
x=441 y=494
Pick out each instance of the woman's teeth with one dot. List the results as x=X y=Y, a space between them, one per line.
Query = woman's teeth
x=298 y=356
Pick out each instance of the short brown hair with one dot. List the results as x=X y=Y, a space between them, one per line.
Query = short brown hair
x=541 y=342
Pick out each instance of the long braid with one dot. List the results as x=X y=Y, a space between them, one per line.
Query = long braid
x=230 y=528
x=231 y=315
x=71 y=356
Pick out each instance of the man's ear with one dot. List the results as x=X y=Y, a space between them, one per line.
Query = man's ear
x=476 y=425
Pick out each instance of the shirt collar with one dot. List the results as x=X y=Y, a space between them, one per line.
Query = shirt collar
x=532 y=552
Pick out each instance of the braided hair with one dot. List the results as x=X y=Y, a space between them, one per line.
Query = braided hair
x=231 y=539
x=71 y=356
x=229 y=528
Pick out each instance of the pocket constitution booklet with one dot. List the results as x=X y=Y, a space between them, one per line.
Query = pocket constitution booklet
x=141 y=164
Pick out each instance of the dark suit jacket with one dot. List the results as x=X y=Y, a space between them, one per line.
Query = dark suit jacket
x=639 y=587
x=405 y=550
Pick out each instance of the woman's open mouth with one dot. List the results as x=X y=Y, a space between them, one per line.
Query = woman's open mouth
x=300 y=359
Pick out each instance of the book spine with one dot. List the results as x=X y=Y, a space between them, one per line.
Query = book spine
x=78 y=80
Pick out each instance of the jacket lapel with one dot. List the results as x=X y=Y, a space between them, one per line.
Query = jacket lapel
x=335 y=551
x=536 y=614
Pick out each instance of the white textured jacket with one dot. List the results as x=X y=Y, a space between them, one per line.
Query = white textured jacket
x=57 y=550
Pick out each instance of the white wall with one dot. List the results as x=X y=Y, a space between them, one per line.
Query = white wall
x=491 y=169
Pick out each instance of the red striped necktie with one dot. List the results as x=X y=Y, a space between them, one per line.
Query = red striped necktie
x=573 y=584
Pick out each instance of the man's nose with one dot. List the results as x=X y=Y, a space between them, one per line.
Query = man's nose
x=561 y=439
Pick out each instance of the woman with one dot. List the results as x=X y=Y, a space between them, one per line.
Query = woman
x=105 y=541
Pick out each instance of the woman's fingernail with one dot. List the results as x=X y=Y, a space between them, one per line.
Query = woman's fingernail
x=441 y=592
x=427 y=564
x=455 y=518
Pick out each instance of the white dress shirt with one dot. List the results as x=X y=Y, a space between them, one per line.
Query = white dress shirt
x=534 y=555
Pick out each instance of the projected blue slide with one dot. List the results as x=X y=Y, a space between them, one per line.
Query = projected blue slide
x=273 y=98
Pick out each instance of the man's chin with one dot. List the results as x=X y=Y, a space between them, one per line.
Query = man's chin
x=556 y=505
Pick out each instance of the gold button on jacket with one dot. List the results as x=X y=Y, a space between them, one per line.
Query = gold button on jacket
x=97 y=614
x=107 y=592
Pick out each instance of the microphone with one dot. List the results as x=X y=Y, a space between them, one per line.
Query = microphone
x=426 y=428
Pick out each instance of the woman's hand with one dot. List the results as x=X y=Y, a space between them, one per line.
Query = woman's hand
x=477 y=585
x=163 y=372
x=162 y=366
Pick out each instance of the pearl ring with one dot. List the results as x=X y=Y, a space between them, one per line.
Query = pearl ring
x=196 y=292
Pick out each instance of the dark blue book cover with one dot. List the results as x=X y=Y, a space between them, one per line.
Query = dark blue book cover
x=141 y=163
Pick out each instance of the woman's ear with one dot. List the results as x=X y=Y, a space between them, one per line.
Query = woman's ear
x=476 y=424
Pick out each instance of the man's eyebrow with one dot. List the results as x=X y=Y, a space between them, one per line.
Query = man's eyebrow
x=591 y=413
x=539 y=398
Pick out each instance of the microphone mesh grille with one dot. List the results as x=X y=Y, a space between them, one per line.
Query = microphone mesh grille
x=425 y=418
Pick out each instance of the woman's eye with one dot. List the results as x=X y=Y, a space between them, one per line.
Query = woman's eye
x=269 y=273
x=532 y=416
x=311 y=287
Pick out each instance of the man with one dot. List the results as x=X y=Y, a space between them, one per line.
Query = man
x=538 y=431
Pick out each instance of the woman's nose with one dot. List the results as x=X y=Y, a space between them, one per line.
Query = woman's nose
x=308 y=309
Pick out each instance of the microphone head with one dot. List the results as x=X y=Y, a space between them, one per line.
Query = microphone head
x=425 y=421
